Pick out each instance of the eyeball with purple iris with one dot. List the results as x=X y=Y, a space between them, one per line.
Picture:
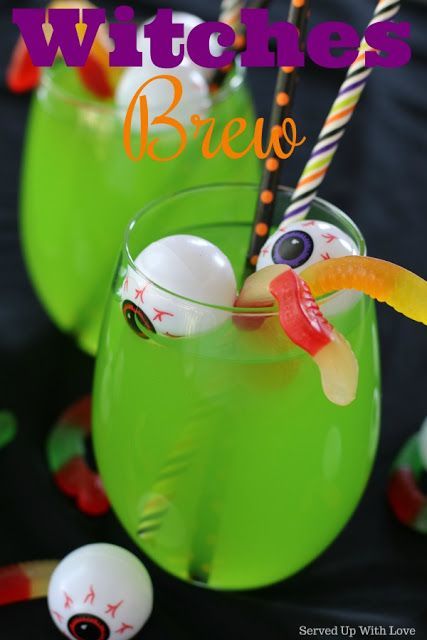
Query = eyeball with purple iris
x=100 y=592
x=303 y=243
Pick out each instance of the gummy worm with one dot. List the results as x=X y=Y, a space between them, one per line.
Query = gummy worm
x=305 y=325
x=66 y=458
x=25 y=581
x=384 y=281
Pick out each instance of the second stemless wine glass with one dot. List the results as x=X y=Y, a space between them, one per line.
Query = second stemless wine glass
x=79 y=190
x=219 y=451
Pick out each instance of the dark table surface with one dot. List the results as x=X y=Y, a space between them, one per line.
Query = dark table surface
x=376 y=571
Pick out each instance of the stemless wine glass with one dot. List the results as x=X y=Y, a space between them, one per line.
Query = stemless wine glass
x=220 y=453
x=79 y=189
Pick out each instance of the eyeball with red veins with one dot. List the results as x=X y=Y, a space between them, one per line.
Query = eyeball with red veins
x=301 y=244
x=172 y=275
x=100 y=592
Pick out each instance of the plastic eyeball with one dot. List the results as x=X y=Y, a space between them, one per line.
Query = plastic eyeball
x=160 y=93
x=294 y=248
x=172 y=267
x=100 y=592
x=301 y=244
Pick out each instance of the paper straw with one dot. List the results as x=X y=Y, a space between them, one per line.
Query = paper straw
x=165 y=486
x=335 y=125
x=281 y=109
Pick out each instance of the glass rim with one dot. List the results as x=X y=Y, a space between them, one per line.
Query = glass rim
x=237 y=311
x=47 y=82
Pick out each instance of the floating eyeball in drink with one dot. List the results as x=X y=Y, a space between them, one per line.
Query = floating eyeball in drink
x=100 y=592
x=301 y=244
x=176 y=277
x=190 y=21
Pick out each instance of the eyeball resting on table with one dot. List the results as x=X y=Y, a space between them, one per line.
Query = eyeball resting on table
x=100 y=592
x=304 y=243
x=184 y=265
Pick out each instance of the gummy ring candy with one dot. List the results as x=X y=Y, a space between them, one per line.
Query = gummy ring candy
x=407 y=501
x=66 y=458
x=304 y=324
x=96 y=75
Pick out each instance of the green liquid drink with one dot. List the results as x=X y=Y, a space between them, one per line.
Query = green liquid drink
x=220 y=453
x=80 y=190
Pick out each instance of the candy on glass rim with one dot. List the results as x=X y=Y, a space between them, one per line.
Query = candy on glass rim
x=186 y=266
x=96 y=75
x=303 y=322
x=381 y=280
x=100 y=591
x=384 y=281
x=301 y=244
x=160 y=93
x=190 y=21
x=21 y=74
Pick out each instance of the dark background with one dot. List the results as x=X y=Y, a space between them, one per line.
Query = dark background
x=376 y=571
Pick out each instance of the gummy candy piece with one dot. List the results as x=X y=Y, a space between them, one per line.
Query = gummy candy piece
x=77 y=481
x=299 y=314
x=379 y=279
x=66 y=458
x=256 y=292
x=96 y=75
x=21 y=74
x=305 y=325
x=25 y=581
